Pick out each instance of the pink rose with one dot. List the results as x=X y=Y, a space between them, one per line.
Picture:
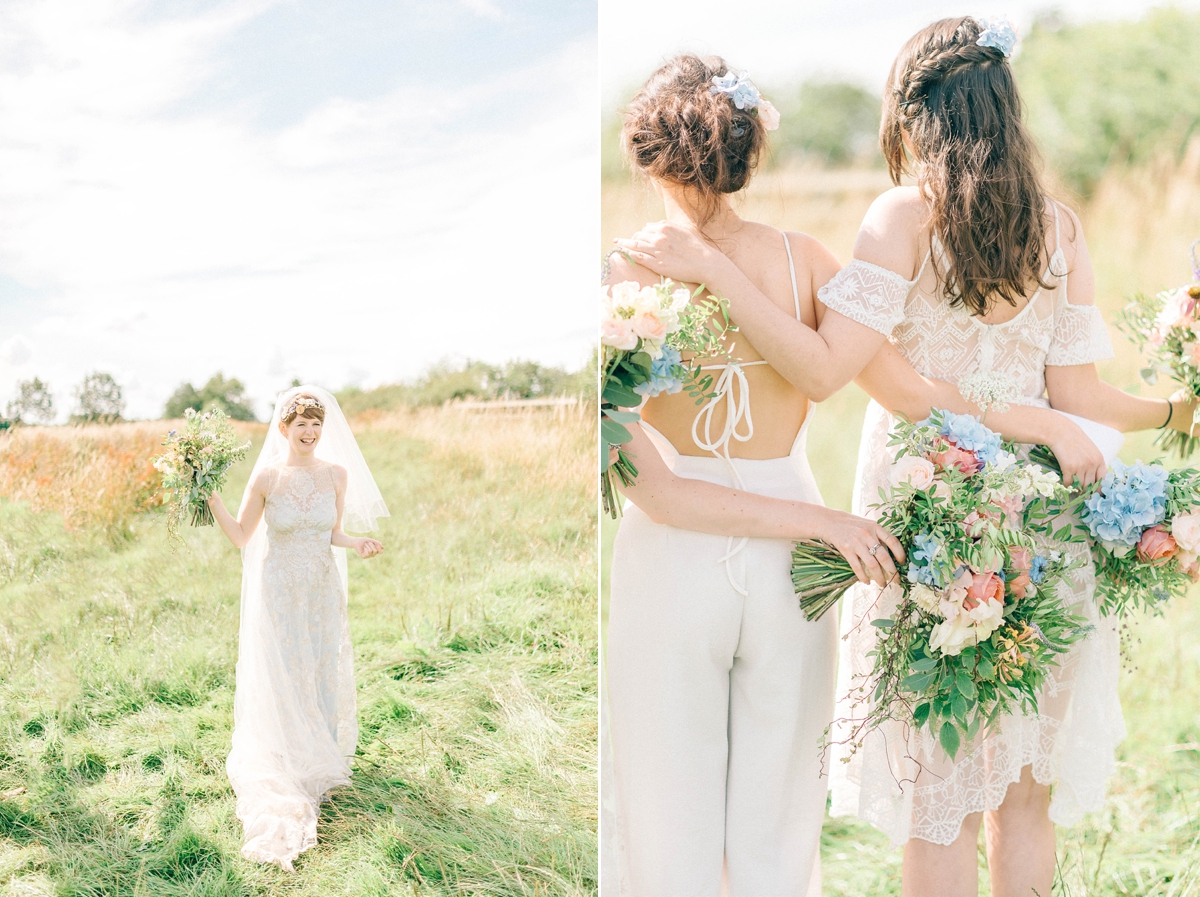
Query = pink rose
x=1022 y=562
x=983 y=587
x=648 y=325
x=979 y=522
x=1156 y=544
x=618 y=333
x=1011 y=506
x=948 y=456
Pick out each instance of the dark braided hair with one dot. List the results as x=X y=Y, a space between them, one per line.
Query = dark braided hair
x=958 y=104
x=678 y=131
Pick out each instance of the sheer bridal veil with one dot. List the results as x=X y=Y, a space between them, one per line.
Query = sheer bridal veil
x=283 y=759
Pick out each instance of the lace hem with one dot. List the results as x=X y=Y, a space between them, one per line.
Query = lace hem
x=866 y=293
x=1080 y=337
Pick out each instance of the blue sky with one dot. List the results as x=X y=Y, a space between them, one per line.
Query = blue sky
x=345 y=192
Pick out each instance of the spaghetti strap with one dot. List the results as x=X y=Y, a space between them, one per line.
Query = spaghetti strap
x=1057 y=241
x=792 y=271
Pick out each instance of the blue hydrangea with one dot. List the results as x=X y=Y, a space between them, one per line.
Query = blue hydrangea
x=1130 y=500
x=737 y=87
x=920 y=564
x=664 y=374
x=1037 y=568
x=998 y=33
x=968 y=433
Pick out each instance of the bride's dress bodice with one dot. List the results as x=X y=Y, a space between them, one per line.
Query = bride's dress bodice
x=301 y=508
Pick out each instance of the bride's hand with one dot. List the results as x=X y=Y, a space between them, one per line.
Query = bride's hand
x=1077 y=455
x=670 y=250
x=368 y=548
x=869 y=548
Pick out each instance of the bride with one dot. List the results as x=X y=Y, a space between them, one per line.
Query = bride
x=294 y=726
x=975 y=269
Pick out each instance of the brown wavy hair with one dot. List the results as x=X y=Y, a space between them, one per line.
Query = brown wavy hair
x=978 y=166
x=678 y=131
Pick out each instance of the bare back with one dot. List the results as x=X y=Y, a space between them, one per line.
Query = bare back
x=765 y=426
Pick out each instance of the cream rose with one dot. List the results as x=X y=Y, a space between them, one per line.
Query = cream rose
x=1186 y=530
x=912 y=469
x=648 y=325
x=951 y=636
x=769 y=115
x=618 y=333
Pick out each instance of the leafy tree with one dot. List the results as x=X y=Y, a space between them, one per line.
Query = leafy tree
x=34 y=403
x=98 y=400
x=830 y=122
x=1110 y=92
x=227 y=395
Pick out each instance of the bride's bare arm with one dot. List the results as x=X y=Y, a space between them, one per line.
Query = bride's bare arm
x=366 y=547
x=817 y=362
x=239 y=530
x=711 y=508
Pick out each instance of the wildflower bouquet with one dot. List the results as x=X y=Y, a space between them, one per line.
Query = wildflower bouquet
x=644 y=333
x=1144 y=521
x=1167 y=328
x=195 y=465
x=974 y=626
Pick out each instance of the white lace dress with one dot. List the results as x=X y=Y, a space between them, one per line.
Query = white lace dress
x=295 y=704
x=902 y=783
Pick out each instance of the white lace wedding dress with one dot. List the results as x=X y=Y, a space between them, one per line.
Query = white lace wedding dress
x=295 y=703
x=902 y=783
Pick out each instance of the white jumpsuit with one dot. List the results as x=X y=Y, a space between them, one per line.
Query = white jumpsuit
x=718 y=692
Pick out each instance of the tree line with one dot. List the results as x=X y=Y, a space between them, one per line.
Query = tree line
x=98 y=398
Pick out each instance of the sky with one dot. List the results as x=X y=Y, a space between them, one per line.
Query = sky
x=784 y=41
x=341 y=192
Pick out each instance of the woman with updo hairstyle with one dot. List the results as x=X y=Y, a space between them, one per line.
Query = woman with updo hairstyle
x=718 y=688
x=294 y=714
x=974 y=269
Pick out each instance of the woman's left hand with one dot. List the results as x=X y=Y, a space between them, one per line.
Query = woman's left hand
x=679 y=253
x=368 y=548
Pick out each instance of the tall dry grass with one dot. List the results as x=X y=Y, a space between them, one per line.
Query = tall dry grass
x=96 y=476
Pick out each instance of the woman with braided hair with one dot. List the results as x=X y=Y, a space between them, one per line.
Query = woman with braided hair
x=974 y=269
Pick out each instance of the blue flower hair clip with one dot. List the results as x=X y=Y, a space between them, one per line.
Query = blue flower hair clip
x=998 y=33
x=738 y=87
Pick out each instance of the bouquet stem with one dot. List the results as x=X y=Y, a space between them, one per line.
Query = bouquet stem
x=202 y=515
x=820 y=576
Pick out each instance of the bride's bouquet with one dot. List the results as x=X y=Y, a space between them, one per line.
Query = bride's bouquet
x=644 y=333
x=195 y=464
x=975 y=624
x=1144 y=523
x=1166 y=327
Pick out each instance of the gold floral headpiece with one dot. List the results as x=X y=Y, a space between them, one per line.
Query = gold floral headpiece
x=302 y=402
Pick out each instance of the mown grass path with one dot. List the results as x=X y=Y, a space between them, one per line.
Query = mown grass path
x=475 y=647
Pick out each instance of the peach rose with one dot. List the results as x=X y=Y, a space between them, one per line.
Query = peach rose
x=948 y=456
x=1190 y=564
x=648 y=325
x=983 y=587
x=1185 y=528
x=912 y=470
x=1156 y=544
x=618 y=333
x=1022 y=562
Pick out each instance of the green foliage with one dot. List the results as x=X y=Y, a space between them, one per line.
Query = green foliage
x=1105 y=92
x=475 y=380
x=833 y=123
x=98 y=400
x=34 y=403
x=228 y=396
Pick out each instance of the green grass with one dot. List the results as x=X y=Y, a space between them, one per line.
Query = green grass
x=475 y=661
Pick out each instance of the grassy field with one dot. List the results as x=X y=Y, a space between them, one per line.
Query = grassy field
x=1138 y=227
x=475 y=651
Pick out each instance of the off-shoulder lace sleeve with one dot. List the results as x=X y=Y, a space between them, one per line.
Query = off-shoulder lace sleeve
x=1080 y=336
x=866 y=293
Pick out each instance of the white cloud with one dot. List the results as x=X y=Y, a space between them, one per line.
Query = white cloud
x=15 y=351
x=360 y=244
x=485 y=8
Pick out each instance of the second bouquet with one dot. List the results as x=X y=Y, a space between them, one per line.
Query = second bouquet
x=975 y=624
